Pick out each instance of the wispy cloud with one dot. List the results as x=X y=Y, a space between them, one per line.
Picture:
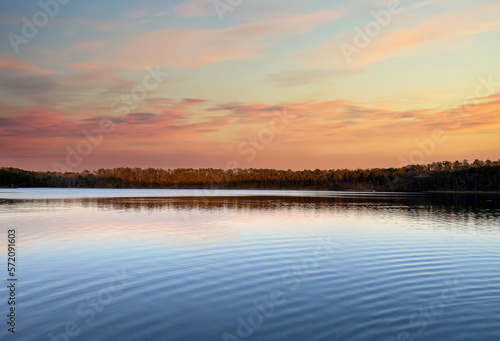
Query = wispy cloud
x=197 y=47
x=317 y=129
x=195 y=8
x=228 y=79
x=396 y=41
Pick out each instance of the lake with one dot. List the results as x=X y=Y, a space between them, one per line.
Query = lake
x=119 y=264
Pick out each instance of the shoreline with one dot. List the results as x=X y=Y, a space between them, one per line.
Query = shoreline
x=264 y=189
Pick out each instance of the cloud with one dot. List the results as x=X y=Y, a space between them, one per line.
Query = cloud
x=22 y=86
x=193 y=100
x=306 y=77
x=243 y=9
x=138 y=13
x=195 y=8
x=197 y=47
x=40 y=126
x=23 y=79
x=23 y=67
x=91 y=45
x=317 y=131
x=396 y=41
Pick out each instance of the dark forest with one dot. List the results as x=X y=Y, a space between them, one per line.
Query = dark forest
x=438 y=176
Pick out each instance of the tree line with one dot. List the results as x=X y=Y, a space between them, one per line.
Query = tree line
x=437 y=176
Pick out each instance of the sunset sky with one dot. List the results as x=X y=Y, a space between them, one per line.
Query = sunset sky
x=257 y=84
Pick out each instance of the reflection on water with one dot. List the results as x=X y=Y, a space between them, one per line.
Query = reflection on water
x=338 y=266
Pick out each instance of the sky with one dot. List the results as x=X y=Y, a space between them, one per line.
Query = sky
x=283 y=84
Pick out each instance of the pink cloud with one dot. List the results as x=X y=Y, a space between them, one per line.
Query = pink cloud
x=395 y=41
x=23 y=67
x=195 y=8
x=323 y=133
x=197 y=47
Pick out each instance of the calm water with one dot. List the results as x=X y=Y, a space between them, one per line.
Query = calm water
x=251 y=265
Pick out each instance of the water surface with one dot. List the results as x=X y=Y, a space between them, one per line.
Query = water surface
x=252 y=265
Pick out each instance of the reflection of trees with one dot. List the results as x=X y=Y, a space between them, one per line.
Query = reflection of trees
x=455 y=207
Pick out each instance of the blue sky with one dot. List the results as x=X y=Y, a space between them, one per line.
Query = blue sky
x=366 y=108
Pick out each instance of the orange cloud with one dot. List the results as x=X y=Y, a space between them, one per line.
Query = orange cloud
x=394 y=41
x=306 y=134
